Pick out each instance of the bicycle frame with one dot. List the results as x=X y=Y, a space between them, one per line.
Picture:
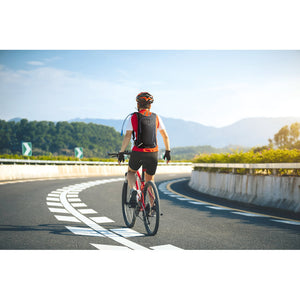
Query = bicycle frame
x=141 y=188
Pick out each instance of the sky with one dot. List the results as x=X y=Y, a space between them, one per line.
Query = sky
x=212 y=62
x=211 y=87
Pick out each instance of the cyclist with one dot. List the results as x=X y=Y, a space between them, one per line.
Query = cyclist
x=143 y=127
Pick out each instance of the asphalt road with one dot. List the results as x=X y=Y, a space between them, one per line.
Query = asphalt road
x=85 y=213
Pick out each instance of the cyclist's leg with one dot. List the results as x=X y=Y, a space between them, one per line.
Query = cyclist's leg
x=149 y=177
x=133 y=166
x=150 y=163
x=131 y=177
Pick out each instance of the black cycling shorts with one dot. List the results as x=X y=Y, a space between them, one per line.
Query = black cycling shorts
x=149 y=161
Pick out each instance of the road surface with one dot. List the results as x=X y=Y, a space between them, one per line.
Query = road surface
x=85 y=213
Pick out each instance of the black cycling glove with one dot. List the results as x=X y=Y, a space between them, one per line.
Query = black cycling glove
x=121 y=157
x=167 y=155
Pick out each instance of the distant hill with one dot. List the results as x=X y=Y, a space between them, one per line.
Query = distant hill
x=249 y=132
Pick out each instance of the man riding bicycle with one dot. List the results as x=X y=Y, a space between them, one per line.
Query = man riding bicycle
x=143 y=127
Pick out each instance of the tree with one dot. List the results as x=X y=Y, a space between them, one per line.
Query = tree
x=294 y=132
x=287 y=137
x=60 y=138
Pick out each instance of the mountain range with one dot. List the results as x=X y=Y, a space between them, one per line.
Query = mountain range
x=248 y=132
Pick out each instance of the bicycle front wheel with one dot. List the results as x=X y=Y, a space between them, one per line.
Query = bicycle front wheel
x=151 y=212
x=129 y=215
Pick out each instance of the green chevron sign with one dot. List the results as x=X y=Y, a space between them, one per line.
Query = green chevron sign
x=26 y=149
x=78 y=152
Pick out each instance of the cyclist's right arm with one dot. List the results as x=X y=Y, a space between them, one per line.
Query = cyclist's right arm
x=165 y=137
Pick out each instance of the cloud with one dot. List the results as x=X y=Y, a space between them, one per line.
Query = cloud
x=35 y=63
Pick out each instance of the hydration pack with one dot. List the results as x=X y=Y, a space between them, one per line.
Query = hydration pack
x=146 y=132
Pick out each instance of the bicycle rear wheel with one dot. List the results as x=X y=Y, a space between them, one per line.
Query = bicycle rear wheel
x=151 y=213
x=129 y=215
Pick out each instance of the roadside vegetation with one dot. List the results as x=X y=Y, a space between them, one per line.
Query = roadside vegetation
x=56 y=141
x=287 y=151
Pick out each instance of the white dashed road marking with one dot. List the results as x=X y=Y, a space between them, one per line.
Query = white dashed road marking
x=165 y=188
x=109 y=247
x=127 y=232
x=66 y=218
x=218 y=208
x=67 y=198
x=100 y=220
x=246 y=214
x=286 y=222
x=58 y=210
x=84 y=231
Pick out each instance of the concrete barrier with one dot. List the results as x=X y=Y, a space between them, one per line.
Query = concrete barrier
x=20 y=172
x=271 y=191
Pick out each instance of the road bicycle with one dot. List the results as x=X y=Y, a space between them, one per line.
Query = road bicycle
x=147 y=207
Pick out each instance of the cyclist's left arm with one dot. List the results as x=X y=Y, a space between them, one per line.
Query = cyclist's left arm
x=126 y=140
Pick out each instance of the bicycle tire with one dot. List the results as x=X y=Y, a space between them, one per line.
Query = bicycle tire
x=151 y=218
x=129 y=215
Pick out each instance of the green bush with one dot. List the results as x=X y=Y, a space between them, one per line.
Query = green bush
x=252 y=157
x=265 y=156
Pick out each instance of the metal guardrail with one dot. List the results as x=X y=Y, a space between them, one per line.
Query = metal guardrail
x=67 y=162
x=274 y=166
